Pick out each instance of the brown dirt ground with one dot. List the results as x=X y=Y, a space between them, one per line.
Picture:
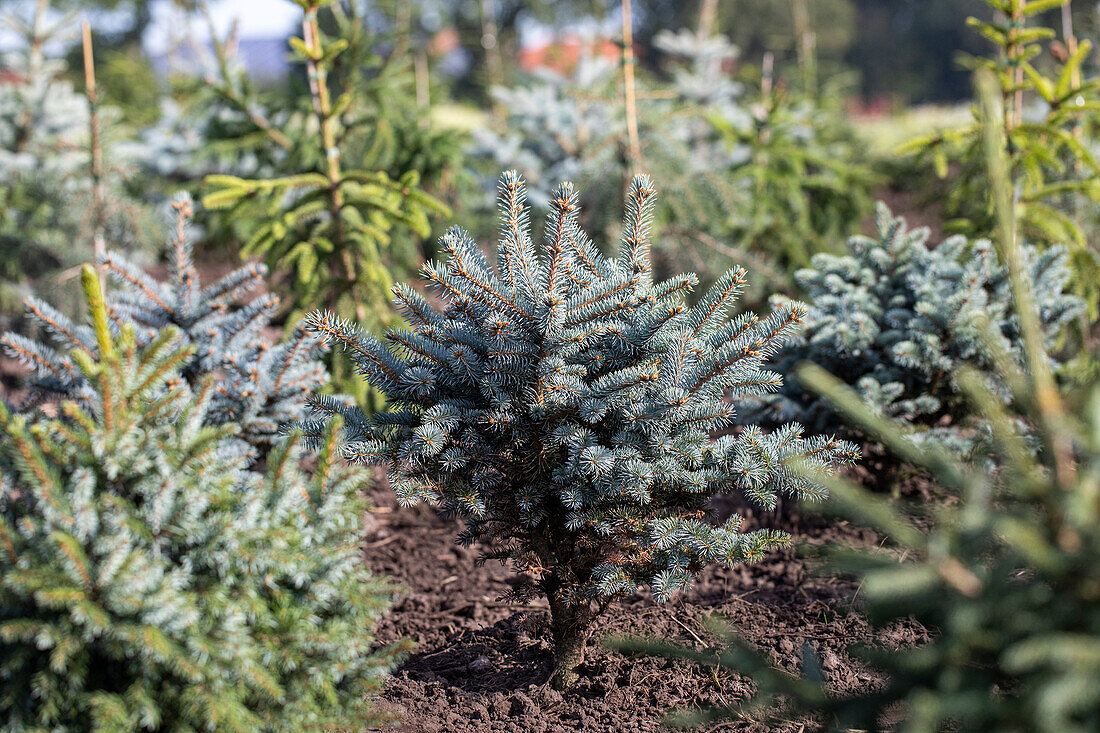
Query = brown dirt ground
x=482 y=665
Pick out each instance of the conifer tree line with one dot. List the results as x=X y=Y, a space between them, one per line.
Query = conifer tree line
x=572 y=309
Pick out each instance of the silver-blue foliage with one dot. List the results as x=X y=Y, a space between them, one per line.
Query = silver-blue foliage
x=563 y=403
x=261 y=385
x=150 y=579
x=897 y=319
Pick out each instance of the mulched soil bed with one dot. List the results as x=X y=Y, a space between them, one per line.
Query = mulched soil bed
x=482 y=665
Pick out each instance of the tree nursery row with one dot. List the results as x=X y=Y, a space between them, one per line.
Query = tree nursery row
x=423 y=374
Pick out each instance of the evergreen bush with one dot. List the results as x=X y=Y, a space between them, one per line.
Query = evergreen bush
x=806 y=183
x=1050 y=109
x=562 y=405
x=260 y=386
x=327 y=208
x=897 y=319
x=149 y=580
x=330 y=199
x=49 y=215
x=1007 y=580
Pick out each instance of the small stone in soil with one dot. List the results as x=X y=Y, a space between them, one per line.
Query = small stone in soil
x=372 y=528
x=479 y=665
x=523 y=705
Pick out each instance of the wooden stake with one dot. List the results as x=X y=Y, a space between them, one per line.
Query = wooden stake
x=1071 y=39
x=767 y=77
x=1016 y=23
x=631 y=94
x=494 y=61
x=322 y=107
x=707 y=12
x=806 y=45
x=98 y=217
x=423 y=88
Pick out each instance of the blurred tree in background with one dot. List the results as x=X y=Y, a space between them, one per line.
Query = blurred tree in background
x=1050 y=94
x=328 y=211
x=906 y=49
x=53 y=205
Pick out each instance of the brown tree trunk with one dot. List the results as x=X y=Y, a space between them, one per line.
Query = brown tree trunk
x=570 y=627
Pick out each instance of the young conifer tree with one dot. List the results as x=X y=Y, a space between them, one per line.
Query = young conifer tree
x=1049 y=112
x=261 y=385
x=897 y=319
x=336 y=209
x=150 y=580
x=332 y=213
x=562 y=405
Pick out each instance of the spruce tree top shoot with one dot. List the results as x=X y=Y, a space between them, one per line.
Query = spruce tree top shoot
x=562 y=405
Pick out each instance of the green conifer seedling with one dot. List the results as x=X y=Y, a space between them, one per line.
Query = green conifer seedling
x=1048 y=113
x=331 y=221
x=562 y=404
x=149 y=580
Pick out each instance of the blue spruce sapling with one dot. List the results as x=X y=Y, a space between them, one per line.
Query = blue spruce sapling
x=261 y=386
x=150 y=579
x=897 y=319
x=562 y=405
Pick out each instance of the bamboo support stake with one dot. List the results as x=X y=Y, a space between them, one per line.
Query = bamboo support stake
x=1016 y=23
x=630 y=92
x=423 y=88
x=1071 y=39
x=490 y=41
x=1075 y=79
x=1078 y=129
x=322 y=107
x=806 y=45
x=98 y=218
x=767 y=77
x=1046 y=395
x=707 y=12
